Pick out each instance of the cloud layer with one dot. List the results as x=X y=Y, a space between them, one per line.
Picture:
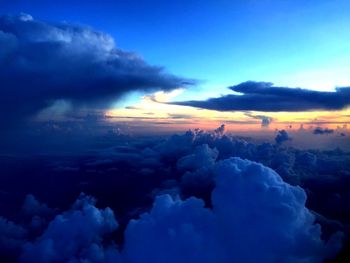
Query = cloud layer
x=177 y=199
x=263 y=96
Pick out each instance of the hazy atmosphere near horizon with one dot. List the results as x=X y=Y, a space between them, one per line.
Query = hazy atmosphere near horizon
x=175 y=131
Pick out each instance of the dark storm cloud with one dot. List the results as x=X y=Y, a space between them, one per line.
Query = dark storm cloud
x=263 y=96
x=42 y=62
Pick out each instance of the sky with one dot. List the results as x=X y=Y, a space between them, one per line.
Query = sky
x=293 y=43
x=216 y=44
x=174 y=131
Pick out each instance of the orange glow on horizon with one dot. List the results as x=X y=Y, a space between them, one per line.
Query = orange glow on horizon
x=152 y=111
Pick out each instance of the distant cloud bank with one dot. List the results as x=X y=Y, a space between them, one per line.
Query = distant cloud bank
x=263 y=96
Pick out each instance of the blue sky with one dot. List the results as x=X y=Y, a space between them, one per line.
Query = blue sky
x=304 y=43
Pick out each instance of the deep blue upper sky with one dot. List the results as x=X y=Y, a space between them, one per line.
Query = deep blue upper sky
x=304 y=43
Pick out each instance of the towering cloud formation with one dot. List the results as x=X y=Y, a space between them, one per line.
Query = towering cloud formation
x=263 y=96
x=42 y=62
x=256 y=217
